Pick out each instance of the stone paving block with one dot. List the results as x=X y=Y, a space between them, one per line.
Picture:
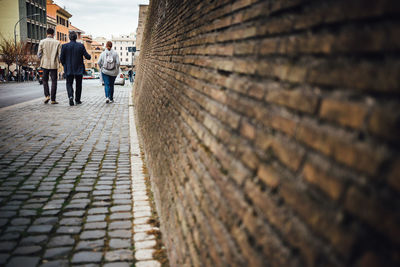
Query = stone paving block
x=46 y=220
x=144 y=254
x=86 y=257
x=92 y=234
x=18 y=228
x=151 y=263
x=52 y=253
x=98 y=211
x=69 y=230
x=120 y=233
x=90 y=244
x=95 y=225
x=27 y=250
x=95 y=218
x=142 y=228
x=55 y=263
x=71 y=221
x=44 y=228
x=119 y=255
x=142 y=237
x=138 y=214
x=33 y=240
x=20 y=221
x=141 y=220
x=62 y=240
x=117 y=243
x=120 y=225
x=145 y=244
x=75 y=213
x=120 y=215
x=121 y=208
x=23 y=261
x=141 y=208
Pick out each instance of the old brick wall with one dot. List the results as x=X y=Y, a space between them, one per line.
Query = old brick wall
x=271 y=130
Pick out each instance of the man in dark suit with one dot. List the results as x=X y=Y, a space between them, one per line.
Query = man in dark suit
x=71 y=57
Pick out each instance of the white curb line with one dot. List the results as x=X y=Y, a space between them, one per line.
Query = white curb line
x=144 y=243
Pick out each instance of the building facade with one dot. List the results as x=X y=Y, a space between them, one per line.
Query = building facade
x=78 y=31
x=51 y=22
x=62 y=18
x=139 y=33
x=87 y=42
x=27 y=17
x=120 y=45
x=97 y=49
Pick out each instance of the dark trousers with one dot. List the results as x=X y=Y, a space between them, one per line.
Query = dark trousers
x=70 y=89
x=53 y=75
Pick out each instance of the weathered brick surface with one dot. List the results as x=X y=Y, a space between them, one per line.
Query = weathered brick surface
x=271 y=130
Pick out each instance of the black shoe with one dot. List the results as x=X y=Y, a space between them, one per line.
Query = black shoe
x=71 y=102
x=78 y=102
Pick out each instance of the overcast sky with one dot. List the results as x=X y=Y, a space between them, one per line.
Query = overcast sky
x=104 y=17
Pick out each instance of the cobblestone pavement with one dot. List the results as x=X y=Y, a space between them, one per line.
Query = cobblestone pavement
x=66 y=187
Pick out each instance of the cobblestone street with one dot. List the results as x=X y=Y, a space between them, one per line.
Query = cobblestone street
x=67 y=184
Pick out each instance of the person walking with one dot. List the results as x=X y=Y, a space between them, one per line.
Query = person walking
x=72 y=55
x=109 y=65
x=130 y=75
x=49 y=53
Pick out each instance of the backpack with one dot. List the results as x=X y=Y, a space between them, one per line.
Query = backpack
x=109 y=63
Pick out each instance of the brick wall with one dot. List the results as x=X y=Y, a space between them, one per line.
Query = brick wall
x=272 y=130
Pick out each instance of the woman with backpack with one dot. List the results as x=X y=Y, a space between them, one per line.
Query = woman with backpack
x=109 y=65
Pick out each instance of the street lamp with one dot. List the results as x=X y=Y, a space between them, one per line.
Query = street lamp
x=15 y=40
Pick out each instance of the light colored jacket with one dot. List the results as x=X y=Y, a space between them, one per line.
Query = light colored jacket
x=49 y=53
x=102 y=59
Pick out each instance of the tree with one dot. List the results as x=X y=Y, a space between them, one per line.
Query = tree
x=23 y=53
x=8 y=52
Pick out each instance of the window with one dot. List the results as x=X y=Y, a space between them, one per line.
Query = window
x=126 y=53
x=29 y=30
x=121 y=54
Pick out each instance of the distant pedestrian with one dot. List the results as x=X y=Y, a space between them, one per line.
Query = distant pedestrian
x=49 y=53
x=130 y=75
x=109 y=65
x=72 y=55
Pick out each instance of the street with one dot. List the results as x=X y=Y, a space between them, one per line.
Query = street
x=72 y=189
x=14 y=93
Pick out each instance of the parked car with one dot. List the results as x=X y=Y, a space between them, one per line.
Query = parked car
x=120 y=80
x=96 y=75
x=88 y=75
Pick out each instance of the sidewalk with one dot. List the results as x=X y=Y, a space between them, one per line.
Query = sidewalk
x=66 y=185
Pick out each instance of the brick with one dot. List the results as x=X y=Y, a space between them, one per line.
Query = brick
x=359 y=156
x=269 y=175
x=298 y=99
x=345 y=113
x=328 y=184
